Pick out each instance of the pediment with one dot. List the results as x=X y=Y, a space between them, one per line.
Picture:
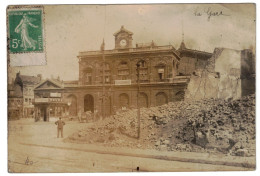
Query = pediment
x=48 y=84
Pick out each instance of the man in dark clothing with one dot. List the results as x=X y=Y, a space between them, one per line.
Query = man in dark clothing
x=60 y=125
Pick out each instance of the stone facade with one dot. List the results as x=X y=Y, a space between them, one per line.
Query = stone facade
x=108 y=79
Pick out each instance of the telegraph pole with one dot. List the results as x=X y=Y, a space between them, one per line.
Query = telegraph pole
x=138 y=92
x=103 y=79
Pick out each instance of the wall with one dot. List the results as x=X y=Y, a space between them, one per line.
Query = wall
x=222 y=77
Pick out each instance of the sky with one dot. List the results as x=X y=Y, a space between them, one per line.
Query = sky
x=70 y=29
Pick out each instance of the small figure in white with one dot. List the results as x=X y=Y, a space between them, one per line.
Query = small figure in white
x=22 y=28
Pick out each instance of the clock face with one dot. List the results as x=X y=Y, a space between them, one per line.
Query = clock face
x=123 y=43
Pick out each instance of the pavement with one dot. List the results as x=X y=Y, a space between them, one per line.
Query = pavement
x=31 y=141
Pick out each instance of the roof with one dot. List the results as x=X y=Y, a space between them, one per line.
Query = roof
x=30 y=79
x=195 y=51
x=71 y=83
x=183 y=49
x=122 y=29
x=139 y=50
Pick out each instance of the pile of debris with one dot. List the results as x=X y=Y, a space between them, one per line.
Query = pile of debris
x=212 y=125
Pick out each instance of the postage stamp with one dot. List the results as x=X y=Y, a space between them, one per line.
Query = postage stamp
x=26 y=33
x=26 y=36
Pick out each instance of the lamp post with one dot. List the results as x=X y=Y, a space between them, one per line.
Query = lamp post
x=138 y=92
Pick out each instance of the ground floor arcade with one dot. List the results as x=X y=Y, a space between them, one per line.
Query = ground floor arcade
x=103 y=102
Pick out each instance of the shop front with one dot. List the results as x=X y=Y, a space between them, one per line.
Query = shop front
x=47 y=109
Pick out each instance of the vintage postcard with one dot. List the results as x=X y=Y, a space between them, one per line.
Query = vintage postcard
x=131 y=88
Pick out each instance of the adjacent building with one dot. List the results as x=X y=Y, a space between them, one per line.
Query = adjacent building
x=49 y=100
x=15 y=102
x=21 y=96
x=192 y=60
x=229 y=74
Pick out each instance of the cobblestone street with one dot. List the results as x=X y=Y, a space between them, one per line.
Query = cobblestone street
x=34 y=147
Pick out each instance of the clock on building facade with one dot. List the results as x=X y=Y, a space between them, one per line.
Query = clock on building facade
x=123 y=39
x=123 y=43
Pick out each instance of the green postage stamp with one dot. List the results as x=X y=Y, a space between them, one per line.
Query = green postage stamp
x=25 y=35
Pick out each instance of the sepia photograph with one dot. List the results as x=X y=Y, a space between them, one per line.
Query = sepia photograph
x=131 y=88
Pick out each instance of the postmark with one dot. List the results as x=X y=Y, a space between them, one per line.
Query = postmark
x=26 y=40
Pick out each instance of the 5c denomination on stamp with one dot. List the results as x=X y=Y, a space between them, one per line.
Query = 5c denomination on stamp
x=26 y=35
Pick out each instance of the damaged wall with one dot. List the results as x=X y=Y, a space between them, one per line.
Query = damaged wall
x=228 y=74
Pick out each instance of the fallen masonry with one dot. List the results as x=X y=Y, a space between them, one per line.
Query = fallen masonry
x=208 y=125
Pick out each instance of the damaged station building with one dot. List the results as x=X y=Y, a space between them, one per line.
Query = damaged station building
x=128 y=77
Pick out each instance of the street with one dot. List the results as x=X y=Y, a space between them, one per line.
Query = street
x=34 y=147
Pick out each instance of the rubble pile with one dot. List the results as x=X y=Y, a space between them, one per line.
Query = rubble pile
x=212 y=125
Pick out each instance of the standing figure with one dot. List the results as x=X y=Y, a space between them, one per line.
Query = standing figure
x=22 y=28
x=60 y=125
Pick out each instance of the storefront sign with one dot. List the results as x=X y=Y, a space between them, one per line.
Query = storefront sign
x=55 y=94
x=46 y=100
x=123 y=82
x=41 y=100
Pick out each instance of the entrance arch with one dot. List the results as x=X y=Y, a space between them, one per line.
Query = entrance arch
x=73 y=104
x=179 y=96
x=161 y=98
x=143 y=100
x=88 y=103
x=123 y=100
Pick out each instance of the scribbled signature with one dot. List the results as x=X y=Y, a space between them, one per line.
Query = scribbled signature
x=209 y=12
x=28 y=161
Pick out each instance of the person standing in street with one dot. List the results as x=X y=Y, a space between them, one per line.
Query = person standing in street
x=60 y=125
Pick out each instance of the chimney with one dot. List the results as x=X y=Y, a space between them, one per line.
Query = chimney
x=39 y=76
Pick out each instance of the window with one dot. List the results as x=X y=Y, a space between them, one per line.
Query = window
x=143 y=71
x=104 y=70
x=160 y=71
x=123 y=71
x=107 y=80
x=87 y=76
x=26 y=100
